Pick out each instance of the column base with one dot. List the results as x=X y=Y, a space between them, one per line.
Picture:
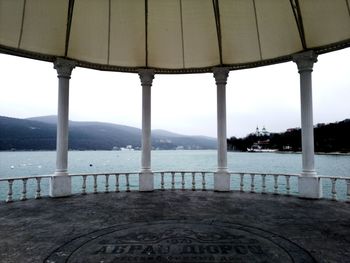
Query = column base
x=146 y=182
x=310 y=187
x=222 y=181
x=60 y=185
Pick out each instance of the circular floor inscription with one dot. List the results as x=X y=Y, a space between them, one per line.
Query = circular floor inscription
x=181 y=242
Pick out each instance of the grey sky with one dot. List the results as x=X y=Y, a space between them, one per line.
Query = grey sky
x=185 y=104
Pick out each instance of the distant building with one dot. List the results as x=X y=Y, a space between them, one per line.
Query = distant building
x=263 y=132
x=257 y=132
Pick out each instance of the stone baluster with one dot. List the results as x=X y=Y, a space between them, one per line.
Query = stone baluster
x=252 y=183
x=182 y=181
x=24 y=189
x=162 y=181
x=288 y=184
x=203 y=182
x=38 y=188
x=106 y=183
x=95 y=183
x=116 y=183
x=263 y=177
x=127 y=182
x=275 y=187
x=193 y=181
x=241 y=185
x=83 y=187
x=172 y=181
x=334 y=189
x=9 y=193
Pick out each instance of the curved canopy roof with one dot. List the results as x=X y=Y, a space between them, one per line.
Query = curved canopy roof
x=172 y=36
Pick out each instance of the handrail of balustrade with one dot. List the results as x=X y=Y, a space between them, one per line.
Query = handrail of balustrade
x=98 y=174
x=333 y=177
x=24 y=177
x=183 y=171
x=272 y=174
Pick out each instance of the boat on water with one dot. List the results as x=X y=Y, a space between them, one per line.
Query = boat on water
x=259 y=149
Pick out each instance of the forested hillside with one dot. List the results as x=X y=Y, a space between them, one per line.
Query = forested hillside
x=332 y=137
x=40 y=134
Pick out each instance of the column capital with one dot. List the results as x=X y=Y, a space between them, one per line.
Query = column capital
x=305 y=60
x=64 y=67
x=146 y=76
x=221 y=75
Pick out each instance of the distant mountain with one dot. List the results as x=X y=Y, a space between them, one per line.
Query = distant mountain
x=47 y=119
x=39 y=133
x=164 y=133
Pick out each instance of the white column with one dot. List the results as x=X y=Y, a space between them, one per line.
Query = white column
x=146 y=181
x=221 y=177
x=309 y=184
x=60 y=183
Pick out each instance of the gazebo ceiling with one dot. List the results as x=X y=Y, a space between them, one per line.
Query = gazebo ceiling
x=172 y=36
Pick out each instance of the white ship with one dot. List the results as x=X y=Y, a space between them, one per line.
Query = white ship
x=258 y=149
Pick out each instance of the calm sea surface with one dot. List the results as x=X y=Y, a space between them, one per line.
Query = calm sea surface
x=14 y=164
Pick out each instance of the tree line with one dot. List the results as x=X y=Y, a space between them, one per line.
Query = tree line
x=332 y=137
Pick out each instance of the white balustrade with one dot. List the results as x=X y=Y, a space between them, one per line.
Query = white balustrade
x=98 y=178
x=189 y=177
x=334 y=187
x=331 y=185
x=256 y=178
x=19 y=191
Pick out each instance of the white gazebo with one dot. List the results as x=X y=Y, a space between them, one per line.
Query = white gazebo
x=152 y=37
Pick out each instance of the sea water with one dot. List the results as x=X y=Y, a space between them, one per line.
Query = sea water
x=19 y=164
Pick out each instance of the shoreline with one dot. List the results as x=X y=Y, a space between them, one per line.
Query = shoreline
x=278 y=152
x=292 y=152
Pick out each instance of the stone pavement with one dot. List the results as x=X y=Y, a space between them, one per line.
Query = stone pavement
x=175 y=226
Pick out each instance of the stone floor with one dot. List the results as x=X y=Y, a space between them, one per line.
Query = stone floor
x=175 y=226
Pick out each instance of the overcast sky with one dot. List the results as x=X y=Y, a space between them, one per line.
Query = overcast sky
x=186 y=104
